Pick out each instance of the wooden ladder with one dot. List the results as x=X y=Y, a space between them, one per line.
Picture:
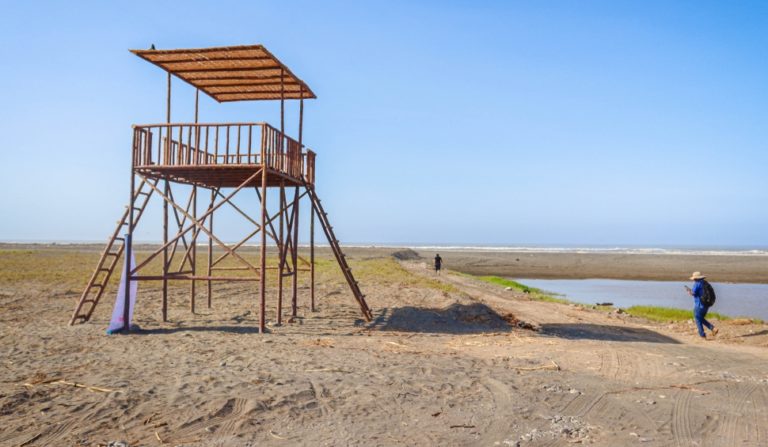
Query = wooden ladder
x=109 y=259
x=340 y=258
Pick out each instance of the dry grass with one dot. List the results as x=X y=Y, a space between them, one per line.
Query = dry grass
x=72 y=268
x=53 y=267
x=389 y=271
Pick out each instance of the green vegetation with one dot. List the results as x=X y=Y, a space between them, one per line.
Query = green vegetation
x=534 y=293
x=389 y=271
x=509 y=283
x=665 y=314
x=602 y=308
x=654 y=313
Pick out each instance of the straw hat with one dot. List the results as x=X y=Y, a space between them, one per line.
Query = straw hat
x=697 y=275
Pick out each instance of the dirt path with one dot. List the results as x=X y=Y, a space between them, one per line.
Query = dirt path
x=626 y=375
x=552 y=318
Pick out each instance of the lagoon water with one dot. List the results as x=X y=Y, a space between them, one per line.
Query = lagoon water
x=732 y=299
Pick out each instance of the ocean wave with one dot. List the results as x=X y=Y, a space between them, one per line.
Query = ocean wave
x=578 y=250
x=701 y=251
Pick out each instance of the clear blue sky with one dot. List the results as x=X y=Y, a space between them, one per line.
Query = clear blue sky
x=617 y=123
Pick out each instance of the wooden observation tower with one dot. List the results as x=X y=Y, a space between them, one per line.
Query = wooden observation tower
x=221 y=160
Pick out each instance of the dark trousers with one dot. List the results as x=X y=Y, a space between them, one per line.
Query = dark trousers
x=699 y=312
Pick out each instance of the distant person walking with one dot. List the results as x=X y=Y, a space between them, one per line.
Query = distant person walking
x=703 y=298
x=438 y=263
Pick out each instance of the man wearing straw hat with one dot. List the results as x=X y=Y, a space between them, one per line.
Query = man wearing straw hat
x=700 y=308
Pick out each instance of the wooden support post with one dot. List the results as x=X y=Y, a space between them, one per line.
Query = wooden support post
x=197 y=106
x=282 y=111
x=295 y=246
x=165 y=255
x=296 y=221
x=165 y=205
x=312 y=258
x=281 y=255
x=284 y=161
x=129 y=252
x=168 y=103
x=196 y=233
x=263 y=260
x=301 y=119
x=193 y=251
x=210 y=245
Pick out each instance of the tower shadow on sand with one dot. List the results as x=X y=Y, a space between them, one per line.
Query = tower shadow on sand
x=601 y=332
x=457 y=318
x=477 y=318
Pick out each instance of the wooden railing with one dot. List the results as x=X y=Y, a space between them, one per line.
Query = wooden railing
x=309 y=167
x=229 y=144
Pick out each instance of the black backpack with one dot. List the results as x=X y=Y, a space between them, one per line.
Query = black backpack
x=707 y=294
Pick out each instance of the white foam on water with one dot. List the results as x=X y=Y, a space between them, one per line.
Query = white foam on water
x=701 y=251
x=578 y=250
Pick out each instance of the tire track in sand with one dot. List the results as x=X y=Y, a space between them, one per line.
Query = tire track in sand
x=750 y=396
x=228 y=427
x=502 y=402
x=681 y=419
x=760 y=402
x=231 y=410
x=51 y=435
x=735 y=418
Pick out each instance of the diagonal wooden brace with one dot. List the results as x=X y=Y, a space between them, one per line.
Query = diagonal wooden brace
x=255 y=232
x=196 y=223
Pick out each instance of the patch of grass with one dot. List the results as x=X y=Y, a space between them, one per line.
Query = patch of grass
x=384 y=270
x=389 y=271
x=59 y=267
x=549 y=298
x=534 y=293
x=602 y=308
x=665 y=314
x=499 y=281
x=71 y=268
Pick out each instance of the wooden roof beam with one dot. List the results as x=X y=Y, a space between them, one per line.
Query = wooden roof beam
x=249 y=83
x=257 y=87
x=214 y=59
x=204 y=50
x=217 y=70
x=233 y=78
x=229 y=97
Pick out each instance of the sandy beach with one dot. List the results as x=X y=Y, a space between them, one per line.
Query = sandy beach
x=448 y=360
x=722 y=268
x=547 y=265
x=170 y=168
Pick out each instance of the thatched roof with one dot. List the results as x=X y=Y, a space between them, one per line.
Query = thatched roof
x=241 y=73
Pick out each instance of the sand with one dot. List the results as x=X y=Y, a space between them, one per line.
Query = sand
x=447 y=361
x=720 y=268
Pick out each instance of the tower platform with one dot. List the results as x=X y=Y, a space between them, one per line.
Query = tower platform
x=215 y=155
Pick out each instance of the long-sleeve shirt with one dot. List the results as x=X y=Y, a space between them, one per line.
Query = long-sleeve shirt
x=697 y=291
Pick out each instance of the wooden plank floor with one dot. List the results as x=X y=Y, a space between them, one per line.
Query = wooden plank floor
x=215 y=176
